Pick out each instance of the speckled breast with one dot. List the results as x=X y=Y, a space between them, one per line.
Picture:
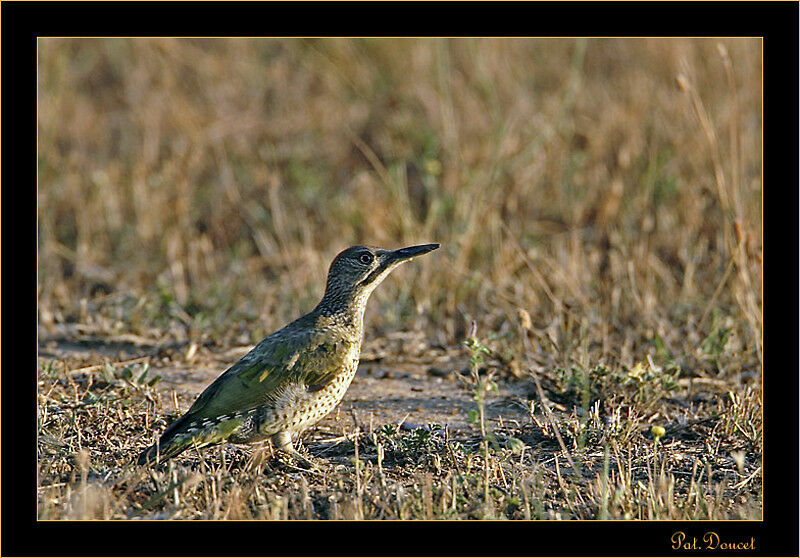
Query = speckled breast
x=315 y=405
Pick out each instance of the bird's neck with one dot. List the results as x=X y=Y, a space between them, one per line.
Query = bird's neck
x=344 y=310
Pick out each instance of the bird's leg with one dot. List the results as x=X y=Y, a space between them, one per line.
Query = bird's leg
x=283 y=440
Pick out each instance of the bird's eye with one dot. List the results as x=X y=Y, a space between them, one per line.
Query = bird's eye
x=365 y=258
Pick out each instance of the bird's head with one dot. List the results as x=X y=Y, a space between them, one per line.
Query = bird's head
x=356 y=271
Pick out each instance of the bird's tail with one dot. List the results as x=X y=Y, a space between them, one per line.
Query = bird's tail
x=177 y=438
x=160 y=452
x=183 y=434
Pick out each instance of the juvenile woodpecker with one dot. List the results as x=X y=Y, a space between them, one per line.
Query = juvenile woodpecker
x=295 y=376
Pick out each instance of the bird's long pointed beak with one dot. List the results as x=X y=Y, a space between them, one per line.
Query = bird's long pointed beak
x=411 y=251
x=390 y=259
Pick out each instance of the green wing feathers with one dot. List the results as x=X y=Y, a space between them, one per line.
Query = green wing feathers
x=262 y=374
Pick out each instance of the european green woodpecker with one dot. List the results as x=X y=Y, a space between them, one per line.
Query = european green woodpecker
x=295 y=376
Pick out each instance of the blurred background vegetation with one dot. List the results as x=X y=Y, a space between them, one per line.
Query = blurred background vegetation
x=610 y=188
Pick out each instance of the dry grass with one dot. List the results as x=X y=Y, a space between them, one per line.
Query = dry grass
x=599 y=206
